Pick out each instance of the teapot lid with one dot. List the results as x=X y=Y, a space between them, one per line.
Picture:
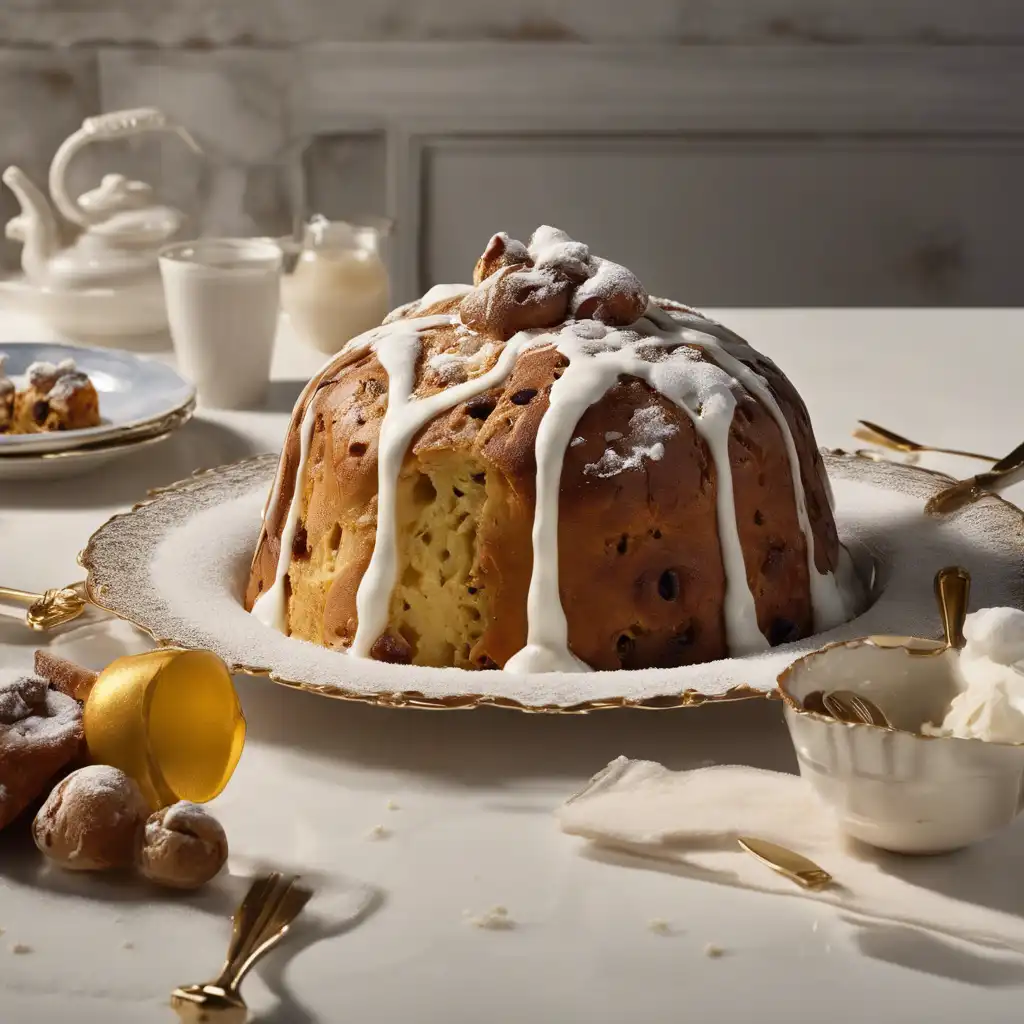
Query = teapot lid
x=123 y=214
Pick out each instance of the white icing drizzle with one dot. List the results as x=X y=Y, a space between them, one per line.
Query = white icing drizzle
x=705 y=394
x=828 y=601
x=439 y=293
x=702 y=391
x=597 y=356
x=398 y=351
x=271 y=607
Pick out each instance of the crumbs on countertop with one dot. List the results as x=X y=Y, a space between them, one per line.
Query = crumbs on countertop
x=378 y=832
x=494 y=920
x=659 y=926
x=20 y=948
x=392 y=805
x=713 y=951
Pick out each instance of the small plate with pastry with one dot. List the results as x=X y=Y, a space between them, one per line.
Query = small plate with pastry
x=57 y=398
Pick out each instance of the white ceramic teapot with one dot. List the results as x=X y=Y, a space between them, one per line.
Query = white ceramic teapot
x=107 y=280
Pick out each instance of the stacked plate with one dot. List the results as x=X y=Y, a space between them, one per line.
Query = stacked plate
x=142 y=402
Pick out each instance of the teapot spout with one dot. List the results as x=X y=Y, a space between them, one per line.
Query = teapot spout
x=35 y=227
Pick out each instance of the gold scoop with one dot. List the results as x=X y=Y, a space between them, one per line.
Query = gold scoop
x=52 y=608
x=260 y=922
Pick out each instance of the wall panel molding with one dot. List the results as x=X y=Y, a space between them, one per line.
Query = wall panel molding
x=259 y=111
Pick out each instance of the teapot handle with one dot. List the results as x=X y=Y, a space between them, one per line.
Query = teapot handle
x=116 y=125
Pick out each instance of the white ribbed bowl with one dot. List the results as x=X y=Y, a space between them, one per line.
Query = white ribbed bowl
x=894 y=788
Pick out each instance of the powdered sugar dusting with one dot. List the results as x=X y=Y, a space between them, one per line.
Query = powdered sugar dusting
x=43 y=375
x=31 y=714
x=68 y=386
x=648 y=428
x=513 y=248
x=439 y=293
x=19 y=695
x=185 y=816
x=99 y=781
x=551 y=248
x=606 y=278
x=453 y=368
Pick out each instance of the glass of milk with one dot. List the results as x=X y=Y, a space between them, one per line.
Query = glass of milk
x=223 y=298
x=340 y=286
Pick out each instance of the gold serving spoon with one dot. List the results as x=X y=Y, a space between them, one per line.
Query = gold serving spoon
x=794 y=866
x=848 y=706
x=953 y=592
x=261 y=921
x=873 y=433
x=52 y=608
x=965 y=491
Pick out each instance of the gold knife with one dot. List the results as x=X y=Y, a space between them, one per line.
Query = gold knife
x=794 y=866
x=959 y=494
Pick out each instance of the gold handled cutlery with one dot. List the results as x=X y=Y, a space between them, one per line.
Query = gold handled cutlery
x=964 y=492
x=52 y=608
x=261 y=921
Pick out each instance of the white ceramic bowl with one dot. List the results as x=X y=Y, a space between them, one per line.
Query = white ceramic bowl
x=894 y=788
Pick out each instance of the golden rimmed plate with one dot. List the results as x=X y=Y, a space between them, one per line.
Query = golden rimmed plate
x=177 y=565
x=78 y=461
x=136 y=393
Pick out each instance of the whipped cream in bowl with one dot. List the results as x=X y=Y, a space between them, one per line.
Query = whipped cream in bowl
x=949 y=771
x=990 y=671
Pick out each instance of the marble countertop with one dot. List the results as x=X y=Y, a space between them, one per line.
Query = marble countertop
x=474 y=791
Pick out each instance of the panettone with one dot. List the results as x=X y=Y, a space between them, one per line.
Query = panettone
x=548 y=470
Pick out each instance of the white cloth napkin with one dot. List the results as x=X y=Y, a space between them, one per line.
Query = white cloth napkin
x=692 y=819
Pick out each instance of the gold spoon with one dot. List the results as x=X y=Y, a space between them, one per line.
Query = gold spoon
x=875 y=434
x=953 y=592
x=261 y=921
x=965 y=491
x=52 y=608
x=862 y=708
x=792 y=865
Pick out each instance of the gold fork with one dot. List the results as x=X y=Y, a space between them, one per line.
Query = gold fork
x=52 y=608
x=872 y=433
x=260 y=922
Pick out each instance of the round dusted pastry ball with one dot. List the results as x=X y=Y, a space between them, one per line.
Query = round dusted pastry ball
x=91 y=820
x=182 y=847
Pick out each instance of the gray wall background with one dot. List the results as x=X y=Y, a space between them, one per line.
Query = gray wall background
x=752 y=152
